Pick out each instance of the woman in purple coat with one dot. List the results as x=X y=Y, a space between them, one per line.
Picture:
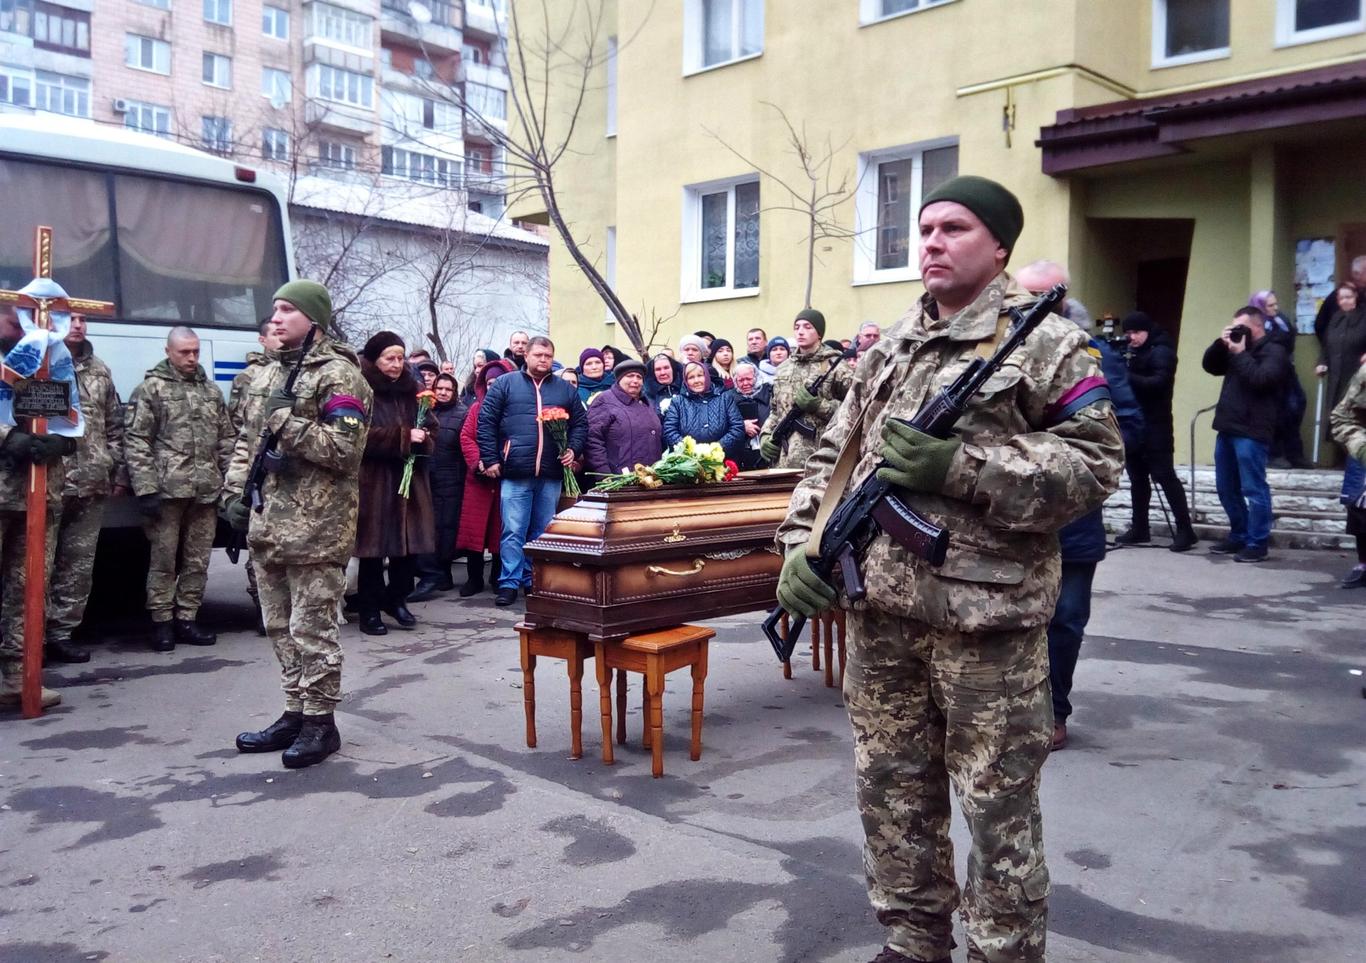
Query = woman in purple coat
x=623 y=429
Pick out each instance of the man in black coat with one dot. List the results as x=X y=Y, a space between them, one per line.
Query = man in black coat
x=1152 y=374
x=1254 y=368
x=515 y=446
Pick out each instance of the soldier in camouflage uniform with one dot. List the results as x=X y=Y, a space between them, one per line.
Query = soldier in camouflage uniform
x=1348 y=423
x=257 y=362
x=811 y=360
x=91 y=476
x=947 y=680
x=18 y=451
x=176 y=444
x=304 y=535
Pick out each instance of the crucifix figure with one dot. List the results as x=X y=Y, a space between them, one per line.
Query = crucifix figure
x=43 y=297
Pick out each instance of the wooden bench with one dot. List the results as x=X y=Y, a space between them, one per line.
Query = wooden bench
x=574 y=648
x=654 y=655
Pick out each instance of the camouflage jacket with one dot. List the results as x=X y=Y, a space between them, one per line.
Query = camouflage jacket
x=177 y=436
x=98 y=461
x=256 y=363
x=1348 y=419
x=14 y=474
x=309 y=515
x=797 y=371
x=1034 y=457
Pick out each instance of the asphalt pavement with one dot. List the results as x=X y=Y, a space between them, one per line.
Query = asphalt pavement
x=1208 y=809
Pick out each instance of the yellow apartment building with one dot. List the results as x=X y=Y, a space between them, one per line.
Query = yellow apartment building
x=1177 y=155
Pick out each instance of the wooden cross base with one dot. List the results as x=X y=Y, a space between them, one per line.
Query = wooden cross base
x=654 y=655
x=828 y=627
x=574 y=648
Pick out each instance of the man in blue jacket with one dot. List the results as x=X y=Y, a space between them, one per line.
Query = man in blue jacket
x=516 y=447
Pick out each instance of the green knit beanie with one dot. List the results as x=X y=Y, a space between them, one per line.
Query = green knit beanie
x=815 y=317
x=311 y=298
x=997 y=208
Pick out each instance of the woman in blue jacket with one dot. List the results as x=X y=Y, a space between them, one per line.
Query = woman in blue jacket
x=703 y=413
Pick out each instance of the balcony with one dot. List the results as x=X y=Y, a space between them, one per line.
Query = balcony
x=476 y=131
x=474 y=73
x=485 y=17
x=439 y=35
x=337 y=116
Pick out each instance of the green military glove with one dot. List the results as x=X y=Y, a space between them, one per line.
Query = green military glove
x=276 y=400
x=236 y=513
x=805 y=400
x=769 y=448
x=916 y=461
x=800 y=589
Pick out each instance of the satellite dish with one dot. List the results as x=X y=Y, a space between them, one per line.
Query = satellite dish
x=420 y=12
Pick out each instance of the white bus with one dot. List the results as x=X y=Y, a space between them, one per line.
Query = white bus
x=169 y=234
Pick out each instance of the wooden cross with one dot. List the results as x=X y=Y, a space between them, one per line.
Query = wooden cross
x=35 y=549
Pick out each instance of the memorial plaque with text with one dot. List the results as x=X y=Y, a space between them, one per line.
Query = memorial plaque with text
x=36 y=398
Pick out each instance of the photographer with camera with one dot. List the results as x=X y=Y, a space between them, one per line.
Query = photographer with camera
x=1254 y=368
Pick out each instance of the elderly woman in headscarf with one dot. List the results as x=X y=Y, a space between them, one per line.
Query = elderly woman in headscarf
x=704 y=414
x=663 y=382
x=389 y=525
x=755 y=402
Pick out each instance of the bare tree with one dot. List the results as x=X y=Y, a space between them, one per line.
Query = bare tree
x=814 y=193
x=553 y=59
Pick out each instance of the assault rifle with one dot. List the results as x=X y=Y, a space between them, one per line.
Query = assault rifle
x=791 y=420
x=875 y=507
x=267 y=458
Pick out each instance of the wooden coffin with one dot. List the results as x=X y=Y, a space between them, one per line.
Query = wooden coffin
x=622 y=562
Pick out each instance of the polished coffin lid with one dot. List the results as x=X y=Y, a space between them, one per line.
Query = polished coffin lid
x=606 y=529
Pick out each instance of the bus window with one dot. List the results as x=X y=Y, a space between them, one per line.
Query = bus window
x=197 y=255
x=75 y=204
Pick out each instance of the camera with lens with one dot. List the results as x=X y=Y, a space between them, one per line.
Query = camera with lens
x=1238 y=333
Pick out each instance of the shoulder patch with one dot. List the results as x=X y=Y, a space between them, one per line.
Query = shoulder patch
x=348 y=411
x=1086 y=392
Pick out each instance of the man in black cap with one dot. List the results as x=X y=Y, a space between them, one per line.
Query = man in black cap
x=947 y=678
x=791 y=388
x=1152 y=373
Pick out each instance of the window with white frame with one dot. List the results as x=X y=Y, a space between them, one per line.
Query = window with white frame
x=341 y=26
x=274 y=144
x=488 y=102
x=217 y=70
x=871 y=11
x=472 y=54
x=719 y=31
x=1307 y=21
x=147 y=53
x=891 y=184
x=218 y=11
x=275 y=22
x=721 y=239
x=217 y=134
x=342 y=86
x=611 y=86
x=61 y=29
x=16 y=87
x=416 y=166
x=277 y=86
x=1189 y=31
x=337 y=155
x=148 y=118
x=61 y=94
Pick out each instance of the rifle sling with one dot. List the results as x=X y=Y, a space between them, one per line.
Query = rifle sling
x=849 y=456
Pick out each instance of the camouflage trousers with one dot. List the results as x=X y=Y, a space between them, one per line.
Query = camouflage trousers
x=932 y=708
x=69 y=588
x=181 y=537
x=299 y=606
x=13 y=539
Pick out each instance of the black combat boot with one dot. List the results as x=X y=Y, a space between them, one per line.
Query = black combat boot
x=189 y=633
x=280 y=734
x=61 y=651
x=163 y=637
x=317 y=740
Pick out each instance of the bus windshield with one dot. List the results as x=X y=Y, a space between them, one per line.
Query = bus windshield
x=162 y=250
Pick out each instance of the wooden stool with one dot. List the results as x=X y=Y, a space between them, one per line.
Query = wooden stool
x=654 y=655
x=826 y=628
x=573 y=647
